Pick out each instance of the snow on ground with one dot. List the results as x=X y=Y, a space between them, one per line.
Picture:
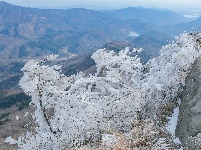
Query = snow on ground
x=133 y=33
x=194 y=16
x=171 y=125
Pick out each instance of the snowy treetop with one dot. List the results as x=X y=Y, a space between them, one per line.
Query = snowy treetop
x=85 y=106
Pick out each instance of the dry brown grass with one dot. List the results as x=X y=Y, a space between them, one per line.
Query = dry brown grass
x=143 y=136
x=13 y=127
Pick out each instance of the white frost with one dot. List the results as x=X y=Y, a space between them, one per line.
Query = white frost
x=109 y=140
x=17 y=118
x=111 y=98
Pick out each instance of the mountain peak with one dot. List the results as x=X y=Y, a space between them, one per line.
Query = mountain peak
x=3 y=3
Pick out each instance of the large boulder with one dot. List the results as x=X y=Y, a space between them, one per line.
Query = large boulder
x=189 y=122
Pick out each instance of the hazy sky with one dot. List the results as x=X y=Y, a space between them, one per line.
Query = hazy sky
x=169 y=4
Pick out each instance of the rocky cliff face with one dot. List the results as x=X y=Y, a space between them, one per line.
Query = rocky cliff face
x=189 y=122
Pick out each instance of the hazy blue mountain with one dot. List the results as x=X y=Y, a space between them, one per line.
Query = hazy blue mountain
x=184 y=27
x=156 y=16
x=36 y=32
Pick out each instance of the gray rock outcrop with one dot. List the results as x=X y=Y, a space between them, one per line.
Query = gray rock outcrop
x=189 y=122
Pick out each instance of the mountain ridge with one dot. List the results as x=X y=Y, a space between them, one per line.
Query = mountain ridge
x=76 y=30
x=155 y=16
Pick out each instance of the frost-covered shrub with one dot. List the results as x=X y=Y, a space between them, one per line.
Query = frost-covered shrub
x=166 y=74
x=72 y=111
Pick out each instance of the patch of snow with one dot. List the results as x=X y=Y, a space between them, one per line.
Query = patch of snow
x=133 y=33
x=160 y=144
x=43 y=18
x=137 y=50
x=110 y=139
x=171 y=125
x=194 y=16
x=10 y=140
x=26 y=114
x=17 y=118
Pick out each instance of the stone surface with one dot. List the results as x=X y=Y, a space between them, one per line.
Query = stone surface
x=189 y=122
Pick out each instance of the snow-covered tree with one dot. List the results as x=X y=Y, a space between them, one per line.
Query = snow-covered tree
x=74 y=111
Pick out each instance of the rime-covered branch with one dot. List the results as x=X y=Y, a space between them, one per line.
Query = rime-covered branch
x=83 y=107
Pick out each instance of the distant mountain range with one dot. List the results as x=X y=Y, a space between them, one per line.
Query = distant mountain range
x=27 y=33
x=30 y=32
x=36 y=32
x=194 y=25
x=156 y=16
